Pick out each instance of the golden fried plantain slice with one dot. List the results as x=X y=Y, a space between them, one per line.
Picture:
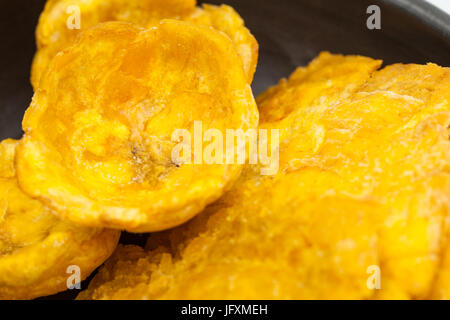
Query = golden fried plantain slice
x=368 y=188
x=98 y=142
x=36 y=248
x=53 y=33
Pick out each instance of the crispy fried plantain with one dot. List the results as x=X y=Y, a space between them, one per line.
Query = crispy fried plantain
x=363 y=183
x=98 y=135
x=37 y=248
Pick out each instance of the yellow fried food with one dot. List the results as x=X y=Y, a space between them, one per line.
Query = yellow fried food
x=224 y=18
x=364 y=183
x=99 y=133
x=36 y=248
x=53 y=33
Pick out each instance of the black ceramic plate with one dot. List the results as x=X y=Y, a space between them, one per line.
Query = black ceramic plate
x=290 y=34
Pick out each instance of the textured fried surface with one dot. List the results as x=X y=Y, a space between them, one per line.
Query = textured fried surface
x=364 y=180
x=99 y=131
x=53 y=35
x=36 y=248
x=224 y=18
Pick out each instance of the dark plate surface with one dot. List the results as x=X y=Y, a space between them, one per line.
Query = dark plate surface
x=290 y=34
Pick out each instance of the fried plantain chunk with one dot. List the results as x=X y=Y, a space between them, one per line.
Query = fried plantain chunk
x=37 y=248
x=98 y=138
x=55 y=33
x=363 y=184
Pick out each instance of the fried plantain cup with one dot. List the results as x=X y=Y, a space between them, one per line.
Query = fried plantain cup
x=57 y=27
x=99 y=134
x=37 y=249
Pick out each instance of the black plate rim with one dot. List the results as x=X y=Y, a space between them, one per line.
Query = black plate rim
x=426 y=12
